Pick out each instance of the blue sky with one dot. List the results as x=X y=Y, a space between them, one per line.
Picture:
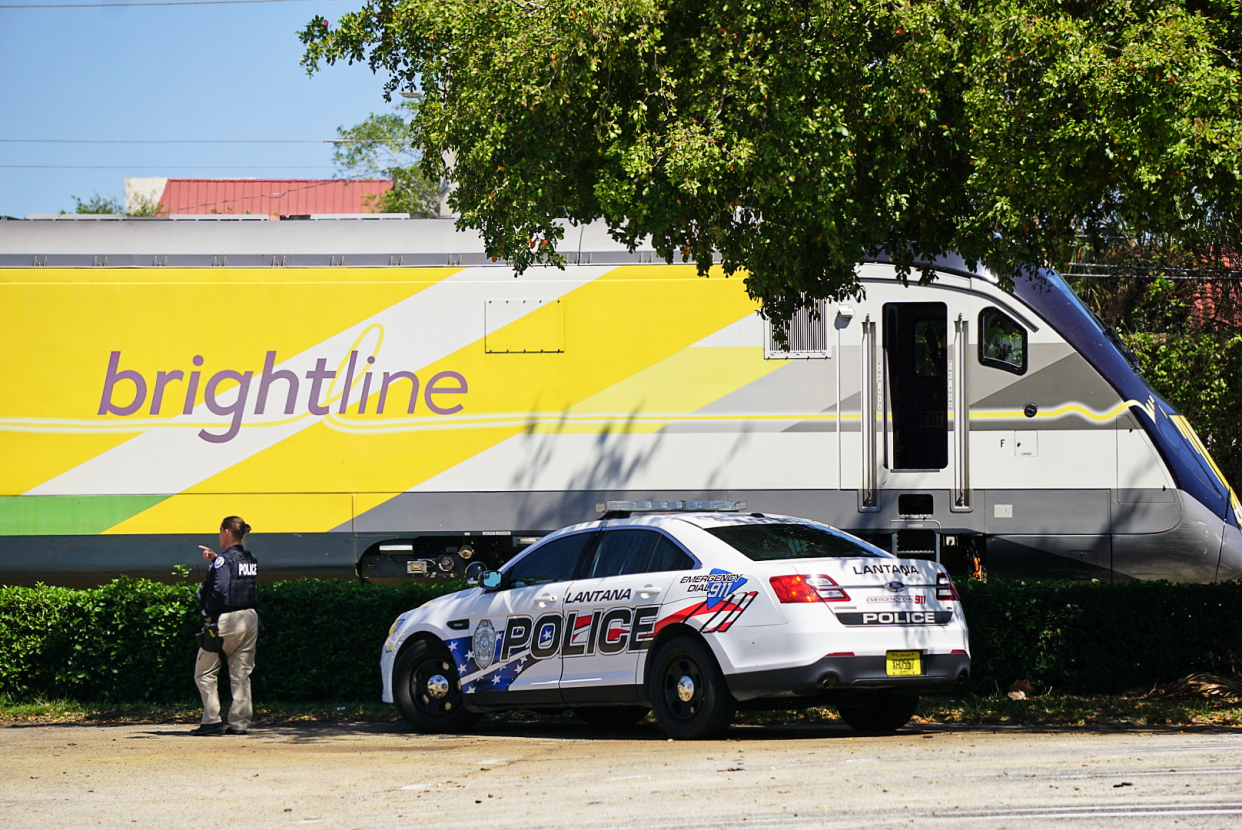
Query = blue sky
x=165 y=73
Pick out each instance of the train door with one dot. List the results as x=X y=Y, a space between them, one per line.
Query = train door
x=905 y=375
x=916 y=368
x=921 y=446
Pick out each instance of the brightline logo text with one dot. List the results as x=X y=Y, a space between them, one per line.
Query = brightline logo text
x=176 y=384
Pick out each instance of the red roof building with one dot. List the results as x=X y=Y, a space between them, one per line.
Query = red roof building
x=273 y=197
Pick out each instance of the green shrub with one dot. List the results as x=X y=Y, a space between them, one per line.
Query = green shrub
x=1083 y=637
x=322 y=640
x=131 y=640
x=31 y=619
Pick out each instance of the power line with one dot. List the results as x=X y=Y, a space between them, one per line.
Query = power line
x=114 y=5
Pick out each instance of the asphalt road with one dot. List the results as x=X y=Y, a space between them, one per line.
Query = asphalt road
x=558 y=774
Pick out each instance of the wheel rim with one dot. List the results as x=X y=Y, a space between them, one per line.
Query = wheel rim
x=433 y=690
x=438 y=686
x=683 y=688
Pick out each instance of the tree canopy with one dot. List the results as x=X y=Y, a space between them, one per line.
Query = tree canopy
x=97 y=204
x=143 y=206
x=793 y=138
x=382 y=146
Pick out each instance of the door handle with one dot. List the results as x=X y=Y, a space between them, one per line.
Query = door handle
x=649 y=591
x=545 y=599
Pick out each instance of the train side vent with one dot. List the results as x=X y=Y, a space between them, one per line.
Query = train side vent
x=807 y=335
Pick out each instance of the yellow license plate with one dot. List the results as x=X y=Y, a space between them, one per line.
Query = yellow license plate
x=903 y=663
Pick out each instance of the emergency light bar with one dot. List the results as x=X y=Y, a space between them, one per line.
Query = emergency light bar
x=665 y=506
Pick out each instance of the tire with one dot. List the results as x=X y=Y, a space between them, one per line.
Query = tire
x=687 y=691
x=427 y=690
x=611 y=717
x=883 y=713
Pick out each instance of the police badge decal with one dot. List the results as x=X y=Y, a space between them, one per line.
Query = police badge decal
x=484 y=644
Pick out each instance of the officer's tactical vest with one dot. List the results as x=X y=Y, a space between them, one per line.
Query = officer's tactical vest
x=243 y=571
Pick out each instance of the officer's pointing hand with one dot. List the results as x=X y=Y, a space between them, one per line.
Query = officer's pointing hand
x=208 y=553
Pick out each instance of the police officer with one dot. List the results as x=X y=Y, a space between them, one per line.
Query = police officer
x=227 y=597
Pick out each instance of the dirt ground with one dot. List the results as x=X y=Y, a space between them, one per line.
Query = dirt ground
x=562 y=774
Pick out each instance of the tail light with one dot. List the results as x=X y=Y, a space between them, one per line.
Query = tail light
x=945 y=590
x=813 y=588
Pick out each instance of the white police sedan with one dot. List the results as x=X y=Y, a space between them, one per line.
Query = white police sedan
x=689 y=614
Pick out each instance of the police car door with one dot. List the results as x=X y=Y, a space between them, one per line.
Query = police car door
x=514 y=654
x=610 y=613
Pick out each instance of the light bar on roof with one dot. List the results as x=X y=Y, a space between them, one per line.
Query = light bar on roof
x=665 y=506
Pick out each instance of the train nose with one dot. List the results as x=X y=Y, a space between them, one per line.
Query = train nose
x=1230 y=565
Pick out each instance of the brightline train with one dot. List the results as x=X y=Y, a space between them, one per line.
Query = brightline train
x=379 y=399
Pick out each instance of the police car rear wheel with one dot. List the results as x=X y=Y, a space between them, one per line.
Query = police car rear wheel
x=687 y=691
x=427 y=690
x=886 y=711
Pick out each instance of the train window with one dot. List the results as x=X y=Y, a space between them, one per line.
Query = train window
x=1002 y=341
x=929 y=338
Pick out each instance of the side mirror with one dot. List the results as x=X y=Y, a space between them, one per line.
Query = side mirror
x=473 y=571
x=490 y=580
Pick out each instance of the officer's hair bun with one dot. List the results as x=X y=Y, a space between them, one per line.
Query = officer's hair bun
x=236 y=526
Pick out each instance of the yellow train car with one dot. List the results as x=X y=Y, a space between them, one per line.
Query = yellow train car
x=378 y=398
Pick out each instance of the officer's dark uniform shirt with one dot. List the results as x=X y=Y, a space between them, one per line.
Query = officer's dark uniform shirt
x=230 y=583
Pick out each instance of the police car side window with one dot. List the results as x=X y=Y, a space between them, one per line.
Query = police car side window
x=668 y=557
x=622 y=552
x=553 y=562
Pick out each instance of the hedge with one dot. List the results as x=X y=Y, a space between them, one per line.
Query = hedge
x=131 y=640
x=1099 y=638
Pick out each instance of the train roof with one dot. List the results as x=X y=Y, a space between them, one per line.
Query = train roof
x=72 y=241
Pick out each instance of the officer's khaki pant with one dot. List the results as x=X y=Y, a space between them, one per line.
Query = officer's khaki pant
x=239 y=630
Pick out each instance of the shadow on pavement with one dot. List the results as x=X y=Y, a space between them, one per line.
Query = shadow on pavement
x=566 y=727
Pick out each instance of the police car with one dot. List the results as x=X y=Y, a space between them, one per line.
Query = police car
x=688 y=611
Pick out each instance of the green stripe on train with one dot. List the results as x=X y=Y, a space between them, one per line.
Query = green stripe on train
x=68 y=515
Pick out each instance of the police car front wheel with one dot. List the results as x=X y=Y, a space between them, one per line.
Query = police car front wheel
x=427 y=690
x=687 y=691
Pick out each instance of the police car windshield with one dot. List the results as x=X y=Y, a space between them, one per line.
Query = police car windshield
x=765 y=542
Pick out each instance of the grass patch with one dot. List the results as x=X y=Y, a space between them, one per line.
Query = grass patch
x=1085 y=710
x=106 y=712
x=1042 y=710
x=41 y=711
